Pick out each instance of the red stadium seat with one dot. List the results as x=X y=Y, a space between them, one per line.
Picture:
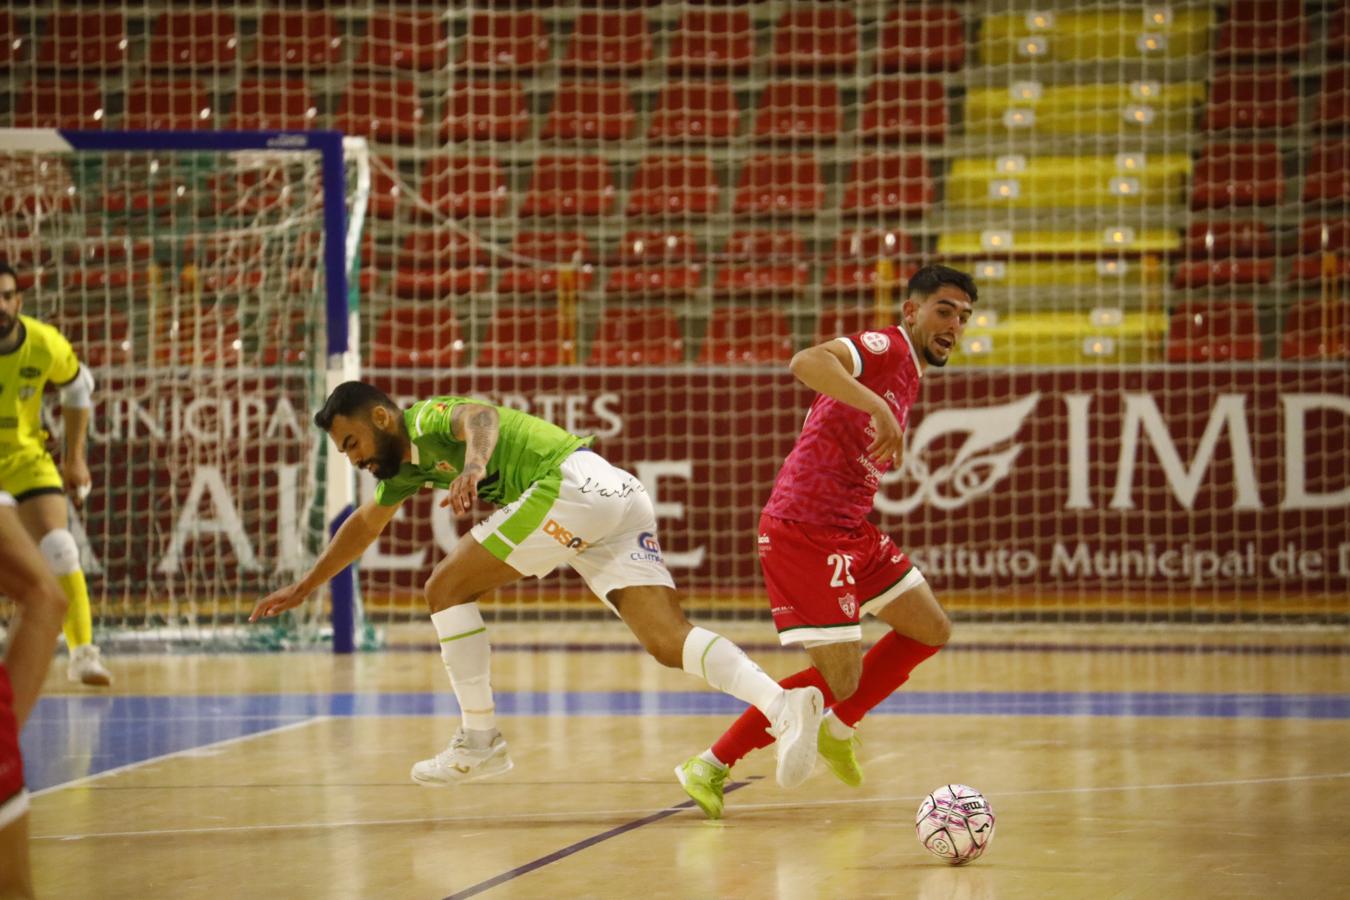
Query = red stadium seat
x=903 y=110
x=83 y=40
x=1252 y=99
x=762 y=264
x=439 y=263
x=500 y=42
x=569 y=186
x=887 y=185
x=637 y=336
x=289 y=338
x=418 y=337
x=1257 y=29
x=1218 y=332
x=673 y=185
x=1338 y=34
x=696 y=111
x=198 y=336
x=855 y=271
x=1333 y=101
x=922 y=38
x=167 y=106
x=486 y=111
x=414 y=41
x=186 y=40
x=746 y=335
x=1323 y=245
x=12 y=42
x=840 y=321
x=1223 y=253
x=99 y=338
x=1316 y=330
x=1237 y=175
x=266 y=104
x=590 y=111
x=296 y=39
x=474 y=186
x=551 y=251
x=386 y=191
x=815 y=39
x=656 y=264
x=59 y=104
x=387 y=110
x=609 y=41
x=779 y=185
x=522 y=337
x=1327 y=179
x=798 y=111
x=712 y=41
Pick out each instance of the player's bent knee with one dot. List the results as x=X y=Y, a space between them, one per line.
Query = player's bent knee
x=60 y=551
x=443 y=591
x=942 y=632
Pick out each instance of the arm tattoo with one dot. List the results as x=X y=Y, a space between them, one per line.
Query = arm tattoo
x=481 y=438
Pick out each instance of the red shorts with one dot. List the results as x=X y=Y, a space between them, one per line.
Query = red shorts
x=13 y=797
x=821 y=580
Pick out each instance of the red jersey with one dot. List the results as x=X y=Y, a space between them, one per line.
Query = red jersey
x=828 y=478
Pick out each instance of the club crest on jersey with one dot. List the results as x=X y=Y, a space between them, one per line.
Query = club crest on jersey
x=876 y=341
x=27 y=391
x=848 y=604
x=443 y=466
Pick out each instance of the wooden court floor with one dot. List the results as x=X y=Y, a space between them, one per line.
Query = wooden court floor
x=1121 y=762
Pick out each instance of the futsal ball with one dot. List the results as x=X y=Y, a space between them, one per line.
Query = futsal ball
x=955 y=823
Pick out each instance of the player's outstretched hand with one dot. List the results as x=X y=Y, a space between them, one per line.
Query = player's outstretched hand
x=463 y=492
x=277 y=602
x=889 y=443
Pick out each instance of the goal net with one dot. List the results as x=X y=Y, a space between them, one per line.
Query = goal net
x=192 y=276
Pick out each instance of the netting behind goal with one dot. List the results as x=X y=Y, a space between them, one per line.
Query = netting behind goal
x=626 y=218
x=193 y=283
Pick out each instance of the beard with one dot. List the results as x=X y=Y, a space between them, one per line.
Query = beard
x=7 y=326
x=933 y=359
x=388 y=455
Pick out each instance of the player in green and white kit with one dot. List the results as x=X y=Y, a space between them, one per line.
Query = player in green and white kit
x=560 y=503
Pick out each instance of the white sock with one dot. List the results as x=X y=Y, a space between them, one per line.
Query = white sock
x=837 y=728
x=467 y=658
x=726 y=667
x=711 y=759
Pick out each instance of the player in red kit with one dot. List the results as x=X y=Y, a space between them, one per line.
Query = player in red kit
x=825 y=565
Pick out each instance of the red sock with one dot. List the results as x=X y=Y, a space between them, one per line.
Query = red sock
x=885 y=667
x=748 y=732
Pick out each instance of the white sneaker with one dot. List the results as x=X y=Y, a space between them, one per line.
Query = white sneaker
x=86 y=668
x=796 y=728
x=459 y=763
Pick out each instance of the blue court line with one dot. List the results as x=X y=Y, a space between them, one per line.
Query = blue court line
x=71 y=737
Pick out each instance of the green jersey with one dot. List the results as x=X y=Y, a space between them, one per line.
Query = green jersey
x=527 y=449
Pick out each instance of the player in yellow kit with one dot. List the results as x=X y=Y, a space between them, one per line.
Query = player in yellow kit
x=33 y=354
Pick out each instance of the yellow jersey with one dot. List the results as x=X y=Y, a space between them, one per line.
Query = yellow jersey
x=43 y=355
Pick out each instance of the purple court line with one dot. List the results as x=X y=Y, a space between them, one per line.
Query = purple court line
x=983 y=647
x=565 y=852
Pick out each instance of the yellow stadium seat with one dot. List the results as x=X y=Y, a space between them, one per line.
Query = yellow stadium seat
x=995 y=242
x=1102 y=337
x=1145 y=106
x=1077 y=181
x=1095 y=35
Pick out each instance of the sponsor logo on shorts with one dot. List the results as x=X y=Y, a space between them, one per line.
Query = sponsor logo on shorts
x=563 y=536
x=848 y=603
x=897 y=558
x=650 y=549
x=875 y=341
x=764 y=544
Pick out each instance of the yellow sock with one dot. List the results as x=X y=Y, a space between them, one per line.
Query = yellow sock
x=79 y=624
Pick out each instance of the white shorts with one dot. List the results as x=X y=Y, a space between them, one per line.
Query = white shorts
x=593 y=516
